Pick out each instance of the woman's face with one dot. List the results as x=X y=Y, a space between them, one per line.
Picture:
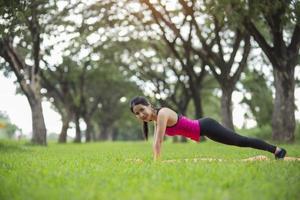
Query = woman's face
x=143 y=112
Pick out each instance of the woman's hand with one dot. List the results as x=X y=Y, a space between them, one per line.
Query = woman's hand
x=156 y=150
x=161 y=125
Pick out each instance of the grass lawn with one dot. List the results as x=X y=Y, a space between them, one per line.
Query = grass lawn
x=102 y=171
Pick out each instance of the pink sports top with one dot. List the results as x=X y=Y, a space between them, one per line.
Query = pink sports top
x=185 y=127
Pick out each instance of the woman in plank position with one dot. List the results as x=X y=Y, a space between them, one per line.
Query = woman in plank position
x=168 y=122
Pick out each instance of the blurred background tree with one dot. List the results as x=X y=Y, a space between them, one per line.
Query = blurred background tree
x=8 y=129
x=89 y=58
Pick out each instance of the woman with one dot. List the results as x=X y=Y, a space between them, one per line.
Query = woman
x=168 y=122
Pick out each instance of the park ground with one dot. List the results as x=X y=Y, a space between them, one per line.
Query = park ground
x=125 y=170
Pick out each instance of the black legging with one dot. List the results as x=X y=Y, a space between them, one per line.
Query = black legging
x=216 y=132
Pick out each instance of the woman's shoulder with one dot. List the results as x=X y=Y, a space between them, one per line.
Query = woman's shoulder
x=165 y=111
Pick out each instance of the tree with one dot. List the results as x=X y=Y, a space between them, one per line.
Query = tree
x=159 y=72
x=146 y=26
x=275 y=26
x=58 y=83
x=66 y=80
x=111 y=109
x=6 y=127
x=22 y=22
x=258 y=97
x=202 y=44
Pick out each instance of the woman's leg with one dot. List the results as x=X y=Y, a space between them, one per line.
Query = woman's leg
x=216 y=132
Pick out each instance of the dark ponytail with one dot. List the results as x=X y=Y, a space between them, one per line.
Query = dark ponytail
x=143 y=101
x=145 y=130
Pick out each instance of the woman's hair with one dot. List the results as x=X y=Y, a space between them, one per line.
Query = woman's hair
x=143 y=101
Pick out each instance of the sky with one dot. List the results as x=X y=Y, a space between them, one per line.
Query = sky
x=18 y=109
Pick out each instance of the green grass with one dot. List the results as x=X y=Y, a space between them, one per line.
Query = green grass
x=100 y=171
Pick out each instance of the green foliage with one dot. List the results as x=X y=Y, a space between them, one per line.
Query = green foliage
x=263 y=132
x=258 y=96
x=18 y=17
x=210 y=100
x=7 y=129
x=95 y=77
x=12 y=13
x=100 y=171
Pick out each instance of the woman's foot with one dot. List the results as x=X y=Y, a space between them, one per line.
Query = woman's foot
x=280 y=153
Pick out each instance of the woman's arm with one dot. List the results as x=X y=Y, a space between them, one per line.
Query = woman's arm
x=162 y=119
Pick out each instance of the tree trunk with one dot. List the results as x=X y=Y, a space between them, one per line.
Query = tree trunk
x=93 y=134
x=63 y=133
x=30 y=87
x=65 y=126
x=32 y=92
x=89 y=129
x=110 y=133
x=78 y=131
x=198 y=105
x=39 y=131
x=106 y=132
x=226 y=108
x=283 y=119
x=115 y=134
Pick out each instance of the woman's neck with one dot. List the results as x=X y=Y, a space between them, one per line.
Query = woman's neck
x=154 y=114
